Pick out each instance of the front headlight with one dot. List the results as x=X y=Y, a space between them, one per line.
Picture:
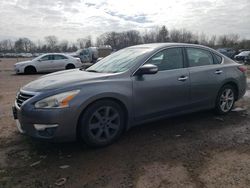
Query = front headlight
x=19 y=65
x=60 y=100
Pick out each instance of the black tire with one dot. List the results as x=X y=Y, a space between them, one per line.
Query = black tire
x=96 y=121
x=30 y=70
x=223 y=99
x=70 y=66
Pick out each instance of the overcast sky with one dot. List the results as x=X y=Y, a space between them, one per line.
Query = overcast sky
x=72 y=19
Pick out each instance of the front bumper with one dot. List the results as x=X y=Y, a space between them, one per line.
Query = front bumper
x=49 y=124
x=18 y=70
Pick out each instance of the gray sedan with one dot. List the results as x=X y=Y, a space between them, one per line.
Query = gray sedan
x=135 y=85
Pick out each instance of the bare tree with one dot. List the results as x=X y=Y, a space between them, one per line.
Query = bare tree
x=19 y=45
x=175 y=35
x=52 y=42
x=63 y=46
x=6 y=45
x=149 y=36
x=111 y=39
x=212 y=41
x=133 y=37
x=123 y=39
x=28 y=45
x=163 y=35
x=88 y=42
x=81 y=43
x=203 y=39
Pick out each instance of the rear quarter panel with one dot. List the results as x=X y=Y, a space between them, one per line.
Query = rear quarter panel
x=234 y=75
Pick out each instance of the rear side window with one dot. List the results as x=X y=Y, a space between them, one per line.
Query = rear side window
x=168 y=59
x=217 y=59
x=199 y=57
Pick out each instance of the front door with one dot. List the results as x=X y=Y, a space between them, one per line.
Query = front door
x=44 y=64
x=165 y=92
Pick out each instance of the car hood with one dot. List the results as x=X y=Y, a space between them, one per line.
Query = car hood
x=22 y=63
x=63 y=79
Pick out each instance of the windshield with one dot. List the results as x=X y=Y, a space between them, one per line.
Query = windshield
x=120 y=61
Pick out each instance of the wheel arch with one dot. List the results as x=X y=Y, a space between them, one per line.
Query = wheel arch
x=234 y=85
x=71 y=65
x=115 y=99
x=29 y=66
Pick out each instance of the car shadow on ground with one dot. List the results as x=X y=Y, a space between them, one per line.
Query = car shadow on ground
x=186 y=127
x=25 y=74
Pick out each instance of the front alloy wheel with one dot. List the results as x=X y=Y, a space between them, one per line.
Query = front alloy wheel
x=102 y=123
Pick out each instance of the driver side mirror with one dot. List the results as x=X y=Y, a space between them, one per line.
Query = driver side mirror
x=147 y=69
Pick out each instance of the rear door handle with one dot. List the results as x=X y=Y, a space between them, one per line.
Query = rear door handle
x=218 y=71
x=183 y=78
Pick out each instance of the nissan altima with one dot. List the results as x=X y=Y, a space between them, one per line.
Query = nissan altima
x=132 y=86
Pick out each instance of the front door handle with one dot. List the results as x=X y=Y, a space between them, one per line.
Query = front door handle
x=218 y=71
x=183 y=78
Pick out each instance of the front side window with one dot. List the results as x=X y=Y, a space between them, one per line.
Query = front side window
x=59 y=57
x=168 y=59
x=199 y=57
x=45 y=58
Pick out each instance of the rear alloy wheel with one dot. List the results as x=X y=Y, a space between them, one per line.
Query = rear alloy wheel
x=70 y=66
x=102 y=123
x=225 y=100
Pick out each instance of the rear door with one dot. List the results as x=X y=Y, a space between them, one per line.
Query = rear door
x=59 y=62
x=206 y=76
x=165 y=92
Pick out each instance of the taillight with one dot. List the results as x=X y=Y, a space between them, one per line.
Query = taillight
x=242 y=68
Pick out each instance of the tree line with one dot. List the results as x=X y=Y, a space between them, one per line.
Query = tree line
x=119 y=40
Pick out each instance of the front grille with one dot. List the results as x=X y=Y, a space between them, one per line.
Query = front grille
x=21 y=97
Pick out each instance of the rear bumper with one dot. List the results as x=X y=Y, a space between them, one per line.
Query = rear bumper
x=242 y=87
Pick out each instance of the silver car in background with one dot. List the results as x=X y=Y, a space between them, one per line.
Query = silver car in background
x=50 y=62
x=135 y=85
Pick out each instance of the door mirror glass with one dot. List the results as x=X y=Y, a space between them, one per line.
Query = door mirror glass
x=147 y=69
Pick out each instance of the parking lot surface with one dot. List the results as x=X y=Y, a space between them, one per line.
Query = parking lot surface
x=195 y=150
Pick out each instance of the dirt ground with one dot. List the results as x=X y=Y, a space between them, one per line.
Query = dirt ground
x=195 y=150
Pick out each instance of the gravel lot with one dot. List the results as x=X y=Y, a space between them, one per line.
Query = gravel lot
x=195 y=150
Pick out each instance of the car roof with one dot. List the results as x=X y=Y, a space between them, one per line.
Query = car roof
x=156 y=46
x=55 y=54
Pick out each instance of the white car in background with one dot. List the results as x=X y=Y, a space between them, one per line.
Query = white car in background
x=48 y=63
